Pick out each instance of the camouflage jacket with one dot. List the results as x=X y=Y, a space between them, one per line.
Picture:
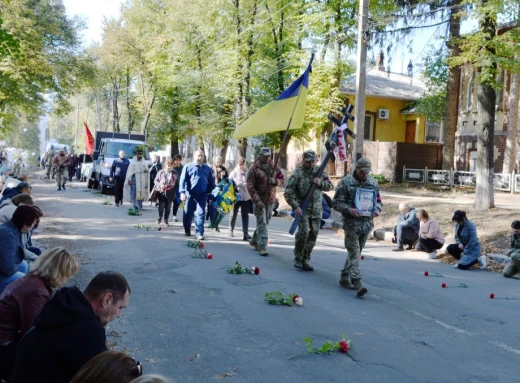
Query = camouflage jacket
x=261 y=179
x=61 y=162
x=344 y=199
x=515 y=244
x=49 y=159
x=299 y=184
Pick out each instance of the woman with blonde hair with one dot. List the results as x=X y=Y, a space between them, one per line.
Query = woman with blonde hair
x=431 y=237
x=109 y=367
x=24 y=298
x=150 y=378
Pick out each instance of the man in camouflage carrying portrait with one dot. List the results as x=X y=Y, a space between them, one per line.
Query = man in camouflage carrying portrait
x=357 y=227
x=296 y=190
x=48 y=162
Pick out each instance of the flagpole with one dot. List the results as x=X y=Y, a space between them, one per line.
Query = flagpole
x=290 y=120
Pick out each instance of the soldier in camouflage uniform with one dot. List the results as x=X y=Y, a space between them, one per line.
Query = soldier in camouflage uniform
x=296 y=190
x=262 y=180
x=512 y=269
x=61 y=162
x=356 y=226
x=48 y=162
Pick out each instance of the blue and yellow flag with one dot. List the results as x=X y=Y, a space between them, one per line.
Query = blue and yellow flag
x=276 y=115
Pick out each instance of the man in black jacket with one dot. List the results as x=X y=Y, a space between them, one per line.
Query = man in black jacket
x=70 y=330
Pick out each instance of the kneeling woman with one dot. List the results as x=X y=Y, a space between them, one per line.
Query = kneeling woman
x=24 y=298
x=467 y=248
x=431 y=238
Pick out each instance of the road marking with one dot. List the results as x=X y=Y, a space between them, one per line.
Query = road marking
x=446 y=326
x=506 y=347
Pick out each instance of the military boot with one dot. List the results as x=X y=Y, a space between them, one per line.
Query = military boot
x=255 y=245
x=345 y=282
x=361 y=290
x=298 y=264
x=263 y=252
x=306 y=266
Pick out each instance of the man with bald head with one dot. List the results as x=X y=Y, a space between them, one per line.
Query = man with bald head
x=196 y=182
x=406 y=229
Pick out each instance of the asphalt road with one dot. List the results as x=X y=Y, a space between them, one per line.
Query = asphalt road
x=217 y=326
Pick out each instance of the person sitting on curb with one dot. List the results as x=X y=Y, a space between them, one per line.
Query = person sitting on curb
x=406 y=229
x=8 y=207
x=109 y=367
x=70 y=330
x=23 y=300
x=467 y=247
x=431 y=238
x=21 y=188
x=512 y=269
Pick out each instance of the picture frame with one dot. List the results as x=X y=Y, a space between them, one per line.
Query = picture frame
x=365 y=201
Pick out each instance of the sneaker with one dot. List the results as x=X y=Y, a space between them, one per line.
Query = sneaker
x=187 y=233
x=63 y=186
x=398 y=249
x=482 y=261
x=200 y=237
x=166 y=223
x=247 y=237
x=307 y=267
x=456 y=266
x=433 y=254
x=175 y=219
x=158 y=221
x=231 y=233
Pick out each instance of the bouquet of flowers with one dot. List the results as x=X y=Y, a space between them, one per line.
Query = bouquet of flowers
x=107 y=203
x=134 y=212
x=195 y=244
x=343 y=346
x=199 y=253
x=277 y=298
x=239 y=269
x=147 y=228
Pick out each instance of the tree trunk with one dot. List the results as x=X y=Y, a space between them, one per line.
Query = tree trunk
x=99 y=113
x=512 y=123
x=452 y=92
x=282 y=155
x=109 y=103
x=224 y=149
x=129 y=111
x=115 y=110
x=242 y=148
x=149 y=107
x=174 y=147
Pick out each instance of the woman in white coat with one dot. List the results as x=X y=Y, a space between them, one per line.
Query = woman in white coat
x=238 y=176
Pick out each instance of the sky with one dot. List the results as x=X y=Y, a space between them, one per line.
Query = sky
x=93 y=11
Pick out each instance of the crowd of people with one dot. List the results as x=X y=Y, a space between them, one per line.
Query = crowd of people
x=53 y=333
x=48 y=332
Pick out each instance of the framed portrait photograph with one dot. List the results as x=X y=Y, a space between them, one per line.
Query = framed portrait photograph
x=365 y=201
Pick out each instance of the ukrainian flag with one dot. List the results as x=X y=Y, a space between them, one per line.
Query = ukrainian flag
x=286 y=112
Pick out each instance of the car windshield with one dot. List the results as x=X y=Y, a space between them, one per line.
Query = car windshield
x=113 y=149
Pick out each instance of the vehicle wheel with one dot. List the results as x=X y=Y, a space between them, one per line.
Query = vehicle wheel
x=89 y=184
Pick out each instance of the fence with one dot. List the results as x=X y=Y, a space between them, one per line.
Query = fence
x=502 y=181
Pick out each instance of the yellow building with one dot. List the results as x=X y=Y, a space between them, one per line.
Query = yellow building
x=389 y=112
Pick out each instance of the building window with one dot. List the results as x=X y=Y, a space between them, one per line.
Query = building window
x=472 y=160
x=469 y=93
x=368 y=128
x=433 y=131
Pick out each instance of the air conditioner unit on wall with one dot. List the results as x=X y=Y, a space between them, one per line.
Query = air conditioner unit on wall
x=383 y=114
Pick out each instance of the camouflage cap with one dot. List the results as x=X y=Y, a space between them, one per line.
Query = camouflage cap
x=265 y=151
x=364 y=164
x=309 y=155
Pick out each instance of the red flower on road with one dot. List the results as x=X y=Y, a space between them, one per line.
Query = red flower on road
x=209 y=256
x=343 y=346
x=492 y=296
x=426 y=274
x=443 y=285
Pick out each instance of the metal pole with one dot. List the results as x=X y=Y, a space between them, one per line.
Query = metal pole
x=363 y=37
x=77 y=126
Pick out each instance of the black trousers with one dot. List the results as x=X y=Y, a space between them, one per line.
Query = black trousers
x=165 y=202
x=405 y=235
x=455 y=251
x=176 y=204
x=118 y=190
x=429 y=244
x=244 y=211
x=72 y=172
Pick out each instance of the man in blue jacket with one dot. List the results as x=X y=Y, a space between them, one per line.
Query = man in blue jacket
x=118 y=173
x=406 y=230
x=196 y=182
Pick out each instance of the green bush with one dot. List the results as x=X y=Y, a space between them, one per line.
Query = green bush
x=380 y=178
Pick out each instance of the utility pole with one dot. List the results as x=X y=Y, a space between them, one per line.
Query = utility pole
x=363 y=36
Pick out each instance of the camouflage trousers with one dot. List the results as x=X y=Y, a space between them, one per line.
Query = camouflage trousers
x=354 y=243
x=61 y=177
x=305 y=238
x=512 y=269
x=49 y=169
x=262 y=220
